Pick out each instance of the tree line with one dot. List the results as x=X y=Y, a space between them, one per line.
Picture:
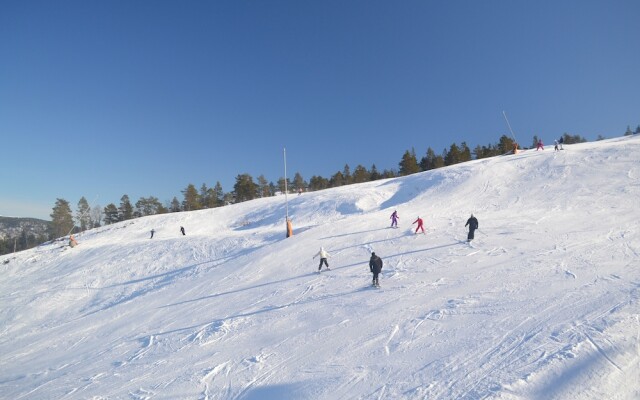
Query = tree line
x=247 y=188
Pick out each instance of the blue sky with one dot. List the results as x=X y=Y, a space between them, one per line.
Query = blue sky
x=105 y=98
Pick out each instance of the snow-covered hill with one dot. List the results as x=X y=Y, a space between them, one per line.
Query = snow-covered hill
x=544 y=304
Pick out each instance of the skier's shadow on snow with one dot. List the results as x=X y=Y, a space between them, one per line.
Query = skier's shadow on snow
x=244 y=289
x=351 y=233
x=366 y=262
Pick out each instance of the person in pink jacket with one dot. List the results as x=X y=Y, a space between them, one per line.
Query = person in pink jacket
x=420 y=227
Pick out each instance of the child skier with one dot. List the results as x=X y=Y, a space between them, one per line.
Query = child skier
x=394 y=219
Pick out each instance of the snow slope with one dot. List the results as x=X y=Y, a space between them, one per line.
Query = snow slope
x=544 y=304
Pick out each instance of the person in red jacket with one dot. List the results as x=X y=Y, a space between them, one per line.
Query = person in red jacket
x=540 y=145
x=420 y=227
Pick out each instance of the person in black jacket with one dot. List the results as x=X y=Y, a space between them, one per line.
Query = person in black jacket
x=473 y=225
x=375 y=265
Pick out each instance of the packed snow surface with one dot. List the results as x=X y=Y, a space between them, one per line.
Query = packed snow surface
x=544 y=304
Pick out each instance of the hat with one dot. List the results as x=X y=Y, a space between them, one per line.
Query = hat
x=373 y=253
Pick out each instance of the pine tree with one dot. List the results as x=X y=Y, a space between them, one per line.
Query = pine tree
x=263 y=187
x=374 y=175
x=337 y=180
x=218 y=194
x=61 y=219
x=149 y=206
x=346 y=175
x=465 y=152
x=125 y=209
x=628 y=132
x=299 y=185
x=360 y=174
x=409 y=164
x=429 y=160
x=204 y=196
x=83 y=218
x=318 y=183
x=505 y=145
x=175 y=205
x=245 y=188
x=282 y=187
x=111 y=214
x=191 y=200
x=453 y=156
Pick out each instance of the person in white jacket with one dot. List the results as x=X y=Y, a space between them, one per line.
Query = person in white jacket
x=323 y=258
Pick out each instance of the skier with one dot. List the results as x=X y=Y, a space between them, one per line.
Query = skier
x=375 y=266
x=72 y=241
x=182 y=230
x=152 y=232
x=555 y=147
x=394 y=219
x=473 y=225
x=323 y=258
x=560 y=141
x=420 y=227
x=540 y=145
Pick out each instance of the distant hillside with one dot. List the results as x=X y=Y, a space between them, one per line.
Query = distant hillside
x=29 y=232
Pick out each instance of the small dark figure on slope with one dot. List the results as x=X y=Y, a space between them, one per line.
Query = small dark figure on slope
x=472 y=222
x=375 y=266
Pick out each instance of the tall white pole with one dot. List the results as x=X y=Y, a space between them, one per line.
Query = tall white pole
x=509 y=125
x=286 y=201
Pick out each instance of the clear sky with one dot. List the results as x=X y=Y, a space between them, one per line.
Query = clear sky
x=105 y=98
